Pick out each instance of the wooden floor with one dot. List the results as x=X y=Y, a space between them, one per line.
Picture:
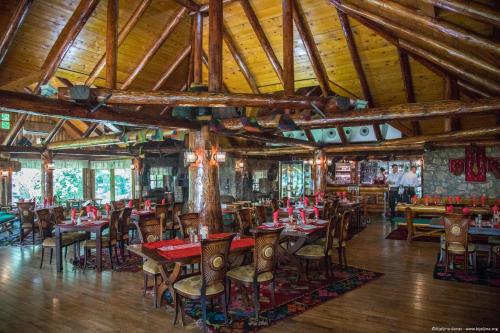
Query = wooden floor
x=405 y=299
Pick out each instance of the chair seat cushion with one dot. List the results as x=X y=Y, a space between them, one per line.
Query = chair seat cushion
x=245 y=274
x=51 y=241
x=104 y=242
x=312 y=251
x=192 y=286
x=458 y=248
x=494 y=240
x=335 y=242
x=151 y=267
x=27 y=226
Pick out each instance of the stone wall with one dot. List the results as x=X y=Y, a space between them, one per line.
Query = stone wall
x=438 y=180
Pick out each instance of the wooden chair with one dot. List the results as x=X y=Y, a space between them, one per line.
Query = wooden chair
x=45 y=225
x=161 y=212
x=325 y=215
x=209 y=284
x=123 y=229
x=275 y=205
x=321 y=250
x=176 y=210
x=262 y=270
x=150 y=231
x=245 y=220
x=106 y=242
x=187 y=222
x=456 y=233
x=260 y=212
x=59 y=217
x=117 y=205
x=58 y=213
x=27 y=218
x=340 y=241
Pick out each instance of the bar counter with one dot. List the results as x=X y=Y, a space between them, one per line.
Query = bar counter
x=373 y=194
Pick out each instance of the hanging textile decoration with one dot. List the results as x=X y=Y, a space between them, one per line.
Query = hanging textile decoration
x=475 y=164
x=457 y=166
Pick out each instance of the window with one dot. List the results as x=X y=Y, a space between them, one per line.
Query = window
x=27 y=184
x=123 y=184
x=103 y=185
x=257 y=176
x=156 y=181
x=5 y=121
x=68 y=184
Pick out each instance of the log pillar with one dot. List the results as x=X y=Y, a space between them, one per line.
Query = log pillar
x=319 y=171
x=204 y=193
x=48 y=175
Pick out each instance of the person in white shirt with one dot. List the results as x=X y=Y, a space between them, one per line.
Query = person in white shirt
x=409 y=181
x=393 y=181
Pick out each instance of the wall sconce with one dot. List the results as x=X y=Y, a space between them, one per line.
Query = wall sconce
x=240 y=164
x=309 y=162
x=50 y=166
x=132 y=166
x=189 y=157
x=5 y=173
x=329 y=161
x=220 y=157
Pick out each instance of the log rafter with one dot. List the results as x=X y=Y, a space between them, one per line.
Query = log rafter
x=404 y=62
x=13 y=26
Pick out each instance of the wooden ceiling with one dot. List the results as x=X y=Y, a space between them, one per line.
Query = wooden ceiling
x=45 y=20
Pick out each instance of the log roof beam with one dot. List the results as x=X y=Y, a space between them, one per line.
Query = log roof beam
x=13 y=26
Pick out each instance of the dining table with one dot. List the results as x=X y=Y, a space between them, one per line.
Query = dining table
x=85 y=225
x=294 y=236
x=173 y=254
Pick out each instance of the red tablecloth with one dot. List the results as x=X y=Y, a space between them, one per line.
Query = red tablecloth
x=184 y=252
x=169 y=242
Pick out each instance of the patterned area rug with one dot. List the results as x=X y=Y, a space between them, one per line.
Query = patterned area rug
x=13 y=238
x=131 y=263
x=292 y=298
x=484 y=275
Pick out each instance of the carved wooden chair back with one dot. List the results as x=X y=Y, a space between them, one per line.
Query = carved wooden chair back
x=150 y=230
x=26 y=212
x=187 y=222
x=45 y=222
x=275 y=205
x=161 y=212
x=58 y=213
x=124 y=220
x=332 y=230
x=245 y=220
x=345 y=220
x=214 y=259
x=117 y=205
x=456 y=230
x=326 y=210
x=260 y=212
x=113 y=225
x=264 y=251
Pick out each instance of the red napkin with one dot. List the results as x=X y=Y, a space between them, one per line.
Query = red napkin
x=290 y=210
x=163 y=201
x=449 y=209
x=316 y=212
x=88 y=209
x=450 y=200
x=275 y=216
x=437 y=199
x=306 y=201
x=466 y=211
x=494 y=209
x=130 y=204
x=73 y=213
x=316 y=198
x=45 y=202
x=426 y=200
x=303 y=215
x=414 y=199
x=344 y=195
x=457 y=199
x=474 y=201
x=483 y=200
x=288 y=202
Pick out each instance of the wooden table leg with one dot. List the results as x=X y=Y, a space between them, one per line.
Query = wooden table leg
x=59 y=264
x=168 y=280
x=98 y=249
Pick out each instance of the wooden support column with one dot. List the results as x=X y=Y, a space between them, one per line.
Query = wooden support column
x=319 y=171
x=48 y=171
x=204 y=193
x=111 y=43
x=215 y=46
x=288 y=66
x=13 y=26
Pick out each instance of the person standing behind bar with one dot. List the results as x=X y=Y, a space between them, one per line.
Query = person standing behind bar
x=393 y=181
x=409 y=181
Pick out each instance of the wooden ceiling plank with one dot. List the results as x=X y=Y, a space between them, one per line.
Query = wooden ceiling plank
x=63 y=43
x=288 y=57
x=215 y=27
x=13 y=26
x=311 y=48
x=171 y=69
x=112 y=13
x=231 y=45
x=124 y=32
x=468 y=8
x=404 y=62
x=167 y=30
x=262 y=38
